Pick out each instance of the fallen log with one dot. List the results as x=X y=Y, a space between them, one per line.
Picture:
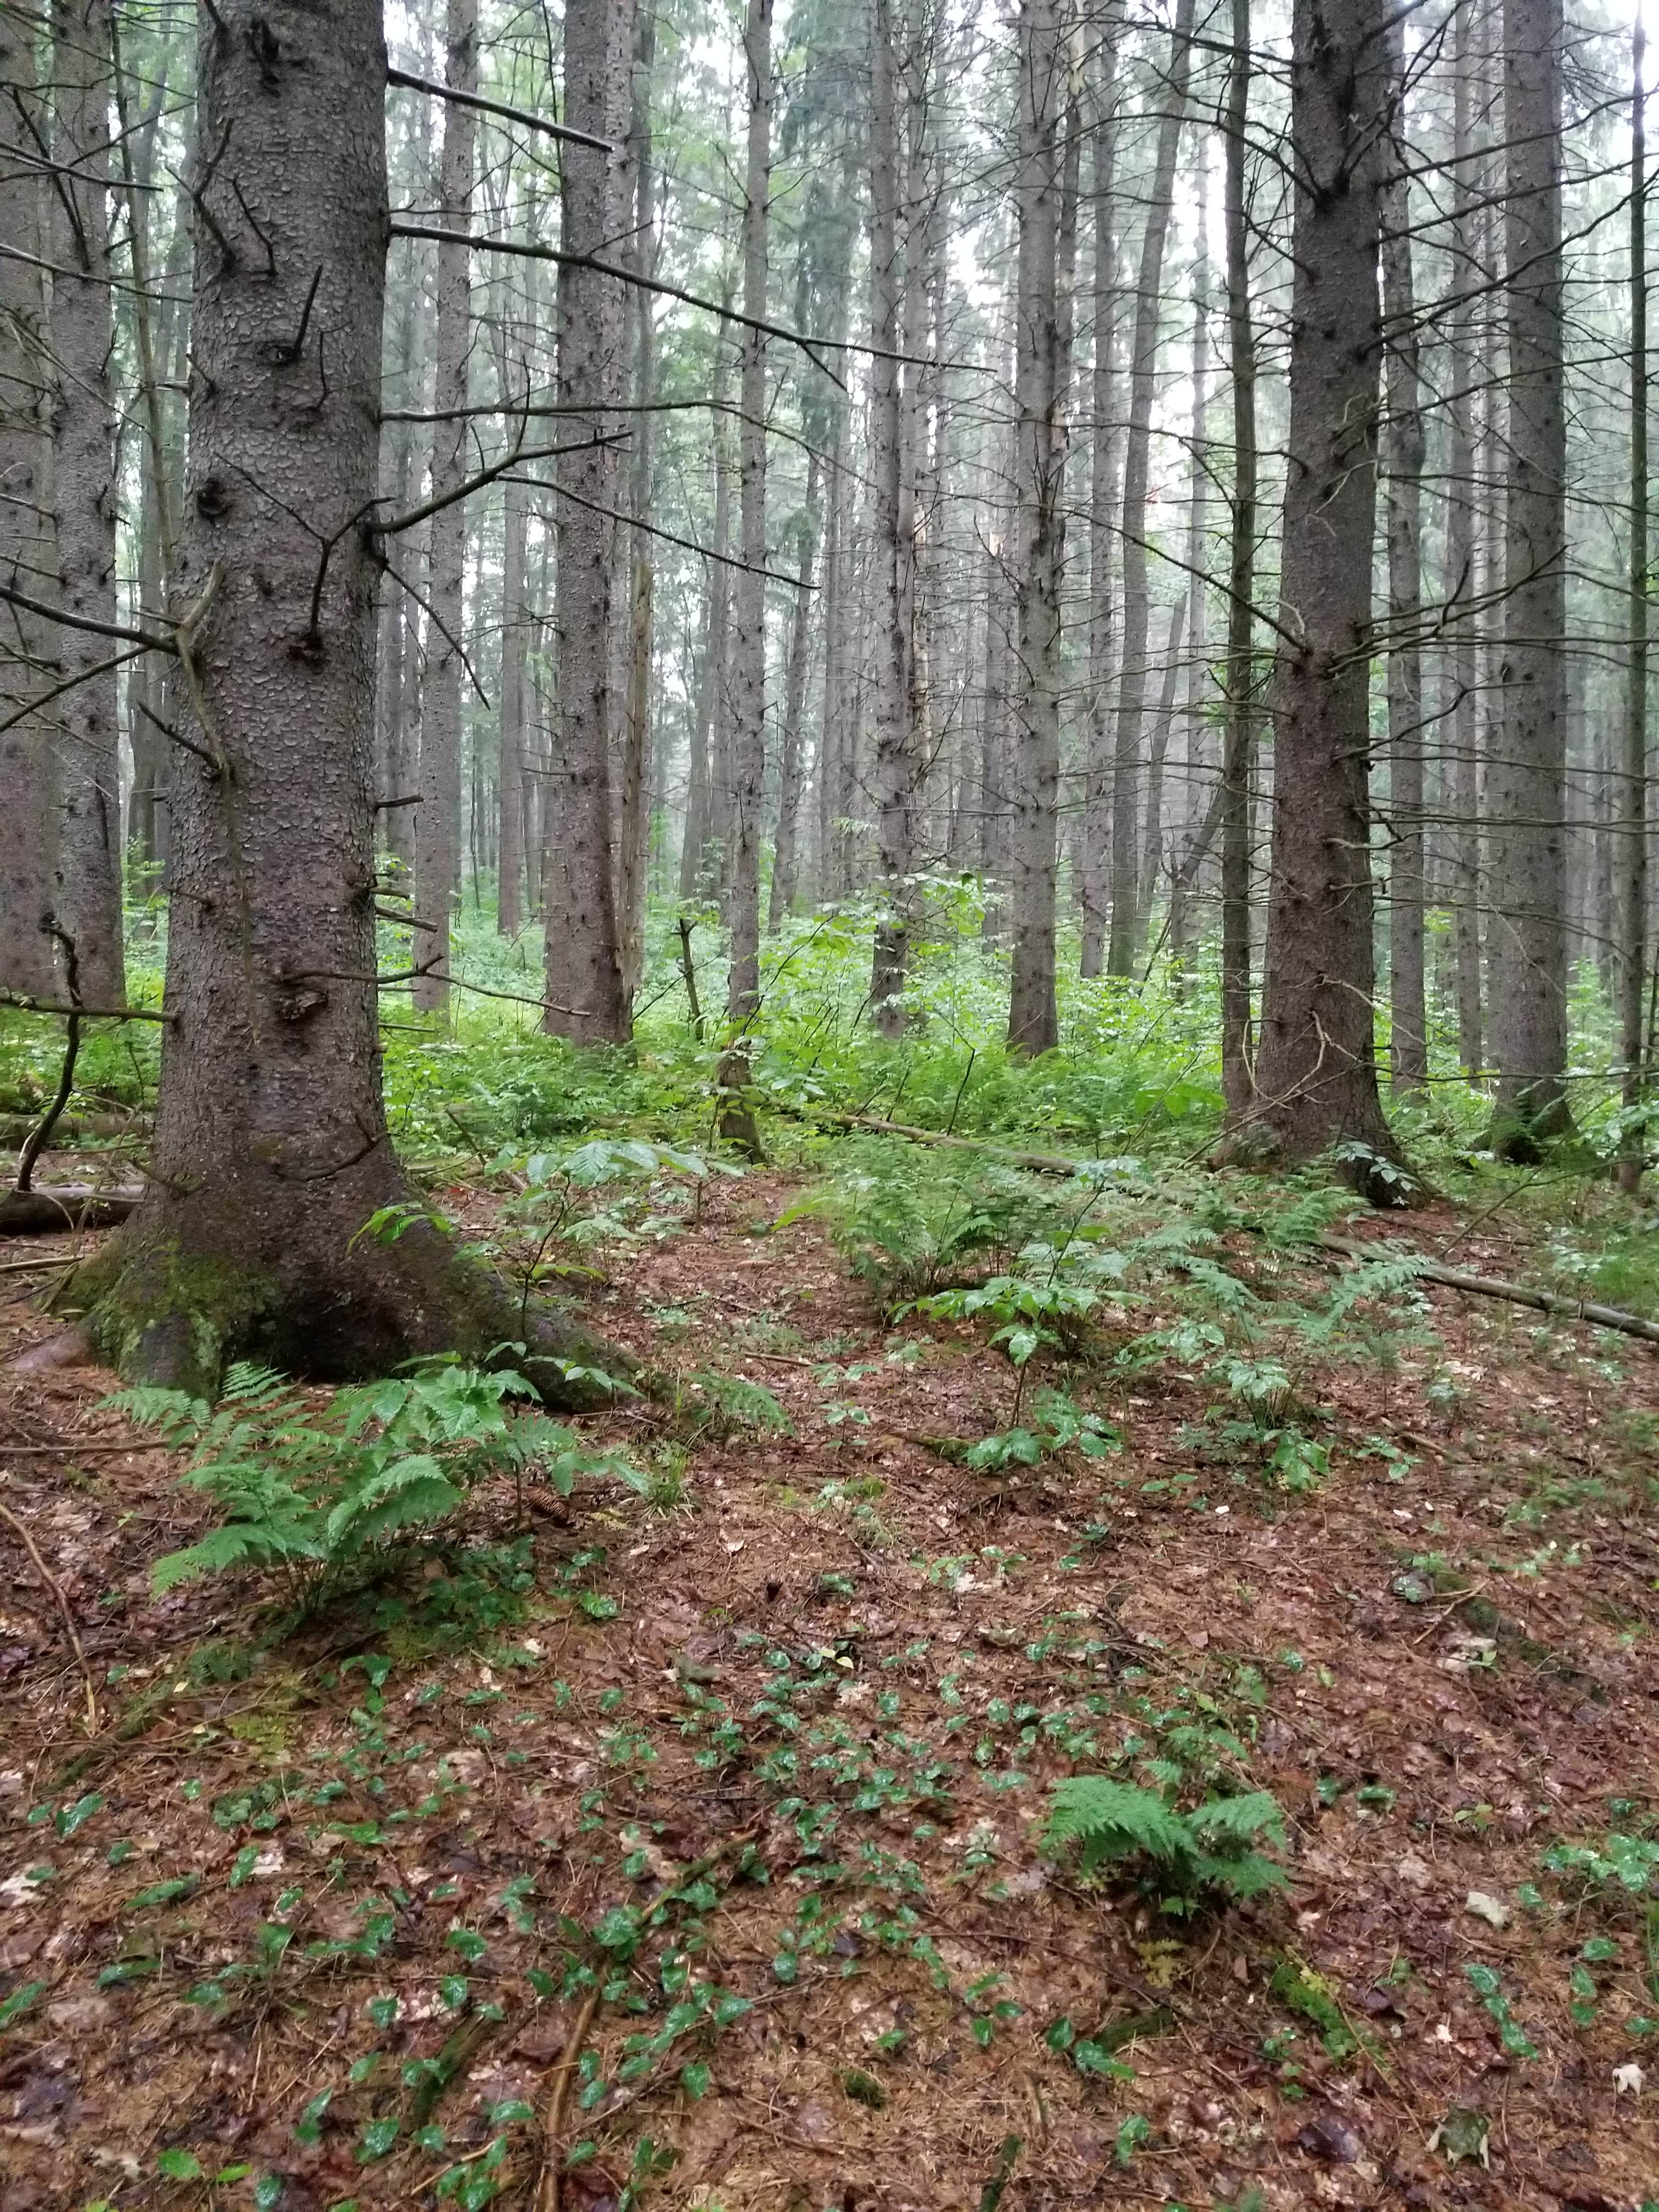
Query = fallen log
x=57 y=1206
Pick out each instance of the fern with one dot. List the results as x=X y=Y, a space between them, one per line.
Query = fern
x=1215 y=1847
x=324 y=1497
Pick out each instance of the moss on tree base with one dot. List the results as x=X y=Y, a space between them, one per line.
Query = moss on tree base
x=161 y=1309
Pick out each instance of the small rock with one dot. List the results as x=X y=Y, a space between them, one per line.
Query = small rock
x=1415 y=1870
x=1326 y=2133
x=1628 y=2080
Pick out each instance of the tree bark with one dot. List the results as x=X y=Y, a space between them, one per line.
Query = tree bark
x=1094 y=875
x=590 y=1004
x=785 y=865
x=27 y=558
x=1463 y=780
x=1033 y=1016
x=895 y=541
x=1316 y=1074
x=1239 y=725
x=271 y=1150
x=1123 y=944
x=1631 y=866
x=749 y=592
x=634 y=853
x=1527 y=777
x=1408 y=1058
x=87 y=894
x=706 y=807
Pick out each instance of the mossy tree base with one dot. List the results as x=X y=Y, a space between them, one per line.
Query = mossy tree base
x=164 y=1310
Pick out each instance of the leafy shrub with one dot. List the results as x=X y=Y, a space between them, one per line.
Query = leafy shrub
x=320 y=1497
x=1213 y=1847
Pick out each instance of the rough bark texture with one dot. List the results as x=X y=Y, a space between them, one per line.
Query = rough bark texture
x=698 y=869
x=1632 y=866
x=87 y=894
x=584 y=963
x=1526 y=781
x=749 y=590
x=1033 y=1017
x=634 y=851
x=1461 y=738
x=785 y=862
x=1408 y=1055
x=1316 y=1073
x=27 y=560
x=271 y=1148
x=437 y=823
x=894 y=682
x=1123 y=944
x=1094 y=877
x=1238 y=728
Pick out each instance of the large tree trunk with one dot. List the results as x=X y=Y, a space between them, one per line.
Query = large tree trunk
x=1630 y=902
x=271 y=1150
x=749 y=595
x=1033 y=1016
x=438 y=824
x=1408 y=1058
x=28 y=561
x=587 y=1001
x=1238 y=728
x=1527 y=776
x=1316 y=1075
x=1123 y=945
x=895 y=540
x=87 y=892
x=1105 y=446
x=634 y=847
x=1462 y=777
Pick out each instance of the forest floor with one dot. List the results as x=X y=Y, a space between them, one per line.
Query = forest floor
x=772 y=1750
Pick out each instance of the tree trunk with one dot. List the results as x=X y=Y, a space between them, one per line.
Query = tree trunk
x=1463 y=780
x=437 y=821
x=1123 y=945
x=271 y=1154
x=510 y=874
x=748 y=594
x=589 y=1004
x=28 y=558
x=785 y=867
x=1408 y=1059
x=895 y=541
x=1179 y=906
x=1239 y=730
x=1527 y=776
x=1033 y=1016
x=707 y=800
x=1317 y=1076
x=1153 y=851
x=634 y=855
x=1094 y=878
x=88 y=887
x=1632 y=845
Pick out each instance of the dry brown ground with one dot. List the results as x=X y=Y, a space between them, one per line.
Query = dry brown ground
x=1431 y=1731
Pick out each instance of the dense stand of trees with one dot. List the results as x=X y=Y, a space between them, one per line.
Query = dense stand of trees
x=1185 y=469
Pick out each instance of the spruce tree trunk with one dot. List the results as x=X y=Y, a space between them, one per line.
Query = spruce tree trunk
x=27 y=556
x=86 y=896
x=1316 y=1073
x=1527 y=776
x=707 y=808
x=587 y=1001
x=785 y=863
x=1105 y=446
x=438 y=820
x=1631 y=868
x=271 y=1150
x=1463 y=734
x=1123 y=945
x=1238 y=730
x=1033 y=1017
x=894 y=544
x=1408 y=1059
x=634 y=853
x=748 y=593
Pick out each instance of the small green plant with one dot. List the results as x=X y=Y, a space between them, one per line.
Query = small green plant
x=1212 y=1848
x=321 y=1499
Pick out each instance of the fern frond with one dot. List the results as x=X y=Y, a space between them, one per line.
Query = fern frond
x=1110 y=1820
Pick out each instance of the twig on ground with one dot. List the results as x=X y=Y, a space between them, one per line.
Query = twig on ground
x=51 y=1582
x=547 y=2191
